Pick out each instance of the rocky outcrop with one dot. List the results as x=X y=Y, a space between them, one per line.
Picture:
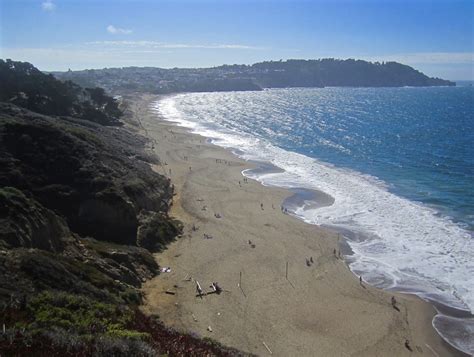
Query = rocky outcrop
x=38 y=252
x=93 y=176
x=108 y=216
x=78 y=205
x=26 y=223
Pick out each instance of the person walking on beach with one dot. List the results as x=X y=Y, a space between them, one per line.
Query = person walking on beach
x=261 y=206
x=394 y=303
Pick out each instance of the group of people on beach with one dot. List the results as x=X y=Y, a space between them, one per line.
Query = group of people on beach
x=221 y=161
x=215 y=287
x=245 y=181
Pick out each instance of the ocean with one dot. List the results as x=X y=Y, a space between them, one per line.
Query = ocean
x=397 y=163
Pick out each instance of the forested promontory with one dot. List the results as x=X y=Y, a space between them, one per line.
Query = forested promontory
x=272 y=74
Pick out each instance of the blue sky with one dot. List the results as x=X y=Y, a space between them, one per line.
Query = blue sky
x=436 y=37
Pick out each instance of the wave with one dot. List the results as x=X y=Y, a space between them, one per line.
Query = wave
x=400 y=245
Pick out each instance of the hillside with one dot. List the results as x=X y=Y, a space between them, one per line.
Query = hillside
x=81 y=212
x=273 y=74
x=28 y=87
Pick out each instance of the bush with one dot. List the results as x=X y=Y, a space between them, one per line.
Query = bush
x=78 y=314
x=157 y=231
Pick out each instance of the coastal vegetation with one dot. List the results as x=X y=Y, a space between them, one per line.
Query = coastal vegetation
x=272 y=74
x=26 y=86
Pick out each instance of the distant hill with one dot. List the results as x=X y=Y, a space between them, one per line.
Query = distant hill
x=272 y=74
x=26 y=86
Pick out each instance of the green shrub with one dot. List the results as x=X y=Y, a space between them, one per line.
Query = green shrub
x=78 y=314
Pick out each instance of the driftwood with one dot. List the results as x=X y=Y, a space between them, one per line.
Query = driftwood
x=268 y=348
x=199 y=289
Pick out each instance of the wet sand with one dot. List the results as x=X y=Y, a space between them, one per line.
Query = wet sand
x=316 y=308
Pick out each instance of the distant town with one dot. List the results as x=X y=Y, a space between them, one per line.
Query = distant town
x=272 y=74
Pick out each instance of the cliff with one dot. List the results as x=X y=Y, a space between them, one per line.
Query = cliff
x=81 y=212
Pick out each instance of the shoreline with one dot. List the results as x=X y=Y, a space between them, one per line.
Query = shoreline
x=178 y=141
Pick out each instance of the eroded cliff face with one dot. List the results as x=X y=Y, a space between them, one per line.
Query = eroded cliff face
x=108 y=216
x=39 y=252
x=78 y=201
x=26 y=223
x=91 y=175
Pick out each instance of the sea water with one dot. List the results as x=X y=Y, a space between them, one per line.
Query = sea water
x=397 y=162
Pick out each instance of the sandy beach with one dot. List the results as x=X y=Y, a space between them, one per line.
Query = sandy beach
x=285 y=292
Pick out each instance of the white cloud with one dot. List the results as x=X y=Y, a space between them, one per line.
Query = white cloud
x=48 y=5
x=117 y=30
x=78 y=58
x=156 y=44
x=100 y=54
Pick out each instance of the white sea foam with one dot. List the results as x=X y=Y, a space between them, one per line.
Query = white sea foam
x=408 y=247
x=458 y=332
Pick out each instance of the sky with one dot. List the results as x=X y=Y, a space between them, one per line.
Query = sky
x=434 y=36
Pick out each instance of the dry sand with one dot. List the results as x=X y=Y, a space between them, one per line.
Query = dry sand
x=319 y=310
